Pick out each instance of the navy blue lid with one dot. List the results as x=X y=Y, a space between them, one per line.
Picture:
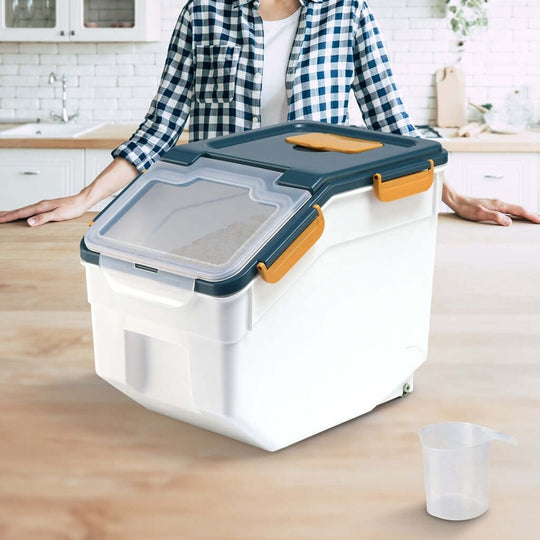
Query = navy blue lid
x=323 y=173
x=310 y=169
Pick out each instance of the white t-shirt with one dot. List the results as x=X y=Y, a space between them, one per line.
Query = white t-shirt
x=278 y=39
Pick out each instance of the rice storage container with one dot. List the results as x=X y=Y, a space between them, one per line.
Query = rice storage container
x=271 y=284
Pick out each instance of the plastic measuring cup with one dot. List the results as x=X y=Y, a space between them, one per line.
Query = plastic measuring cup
x=456 y=468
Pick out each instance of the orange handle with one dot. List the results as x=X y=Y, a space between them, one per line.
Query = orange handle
x=295 y=251
x=331 y=141
x=404 y=186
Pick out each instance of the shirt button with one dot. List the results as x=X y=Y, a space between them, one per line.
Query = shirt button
x=258 y=77
x=255 y=121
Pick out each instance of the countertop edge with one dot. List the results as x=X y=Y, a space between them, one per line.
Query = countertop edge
x=110 y=136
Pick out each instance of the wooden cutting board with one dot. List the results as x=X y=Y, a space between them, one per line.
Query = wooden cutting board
x=451 y=98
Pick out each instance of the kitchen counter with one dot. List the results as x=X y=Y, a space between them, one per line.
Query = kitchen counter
x=111 y=135
x=527 y=141
x=81 y=460
x=106 y=137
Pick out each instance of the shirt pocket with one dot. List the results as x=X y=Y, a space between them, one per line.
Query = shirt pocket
x=215 y=73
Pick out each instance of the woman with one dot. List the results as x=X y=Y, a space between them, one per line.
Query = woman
x=241 y=64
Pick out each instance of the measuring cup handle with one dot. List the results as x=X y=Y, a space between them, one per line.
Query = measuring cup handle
x=495 y=435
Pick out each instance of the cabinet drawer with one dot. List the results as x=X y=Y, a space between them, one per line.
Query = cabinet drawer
x=29 y=175
x=512 y=178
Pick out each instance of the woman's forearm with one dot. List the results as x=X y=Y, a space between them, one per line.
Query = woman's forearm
x=116 y=176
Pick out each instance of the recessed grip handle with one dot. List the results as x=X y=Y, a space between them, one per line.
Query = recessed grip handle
x=295 y=251
x=333 y=142
x=404 y=186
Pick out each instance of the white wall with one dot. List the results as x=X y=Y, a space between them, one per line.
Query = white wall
x=496 y=61
x=115 y=82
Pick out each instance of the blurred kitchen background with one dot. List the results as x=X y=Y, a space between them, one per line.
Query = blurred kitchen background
x=114 y=82
x=112 y=53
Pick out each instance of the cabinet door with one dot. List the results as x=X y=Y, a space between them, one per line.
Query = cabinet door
x=29 y=175
x=36 y=20
x=96 y=161
x=512 y=177
x=122 y=20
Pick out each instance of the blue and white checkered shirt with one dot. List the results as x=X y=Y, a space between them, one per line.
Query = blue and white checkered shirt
x=215 y=61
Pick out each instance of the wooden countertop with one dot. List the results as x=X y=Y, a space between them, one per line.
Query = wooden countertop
x=78 y=459
x=527 y=141
x=111 y=135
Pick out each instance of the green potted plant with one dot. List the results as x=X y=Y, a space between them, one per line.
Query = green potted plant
x=467 y=15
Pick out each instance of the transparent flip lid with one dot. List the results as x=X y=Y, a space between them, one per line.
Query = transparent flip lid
x=204 y=221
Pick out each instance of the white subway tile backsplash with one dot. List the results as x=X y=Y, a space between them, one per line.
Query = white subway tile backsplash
x=9 y=69
x=75 y=71
x=37 y=48
x=97 y=82
x=133 y=82
x=116 y=81
x=36 y=70
x=9 y=47
x=79 y=92
x=10 y=91
x=76 y=48
x=31 y=92
x=58 y=59
x=144 y=92
x=152 y=70
x=117 y=48
x=19 y=59
x=95 y=59
x=113 y=92
x=20 y=103
x=133 y=103
x=115 y=70
x=101 y=104
x=19 y=80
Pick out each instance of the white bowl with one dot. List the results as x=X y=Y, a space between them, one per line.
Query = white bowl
x=502 y=122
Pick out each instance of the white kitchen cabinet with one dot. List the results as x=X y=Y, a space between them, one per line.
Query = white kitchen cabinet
x=30 y=175
x=95 y=162
x=511 y=177
x=80 y=20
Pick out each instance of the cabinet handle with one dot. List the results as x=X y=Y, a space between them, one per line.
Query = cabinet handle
x=62 y=33
x=72 y=32
x=30 y=173
x=494 y=176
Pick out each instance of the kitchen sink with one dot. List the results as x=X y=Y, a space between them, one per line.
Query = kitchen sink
x=46 y=131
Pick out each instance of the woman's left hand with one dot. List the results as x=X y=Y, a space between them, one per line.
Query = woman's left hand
x=493 y=210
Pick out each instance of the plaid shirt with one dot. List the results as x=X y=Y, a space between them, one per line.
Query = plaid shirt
x=213 y=74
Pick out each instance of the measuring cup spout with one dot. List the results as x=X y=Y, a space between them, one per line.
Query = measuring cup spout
x=494 y=435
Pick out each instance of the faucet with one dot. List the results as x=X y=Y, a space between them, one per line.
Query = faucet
x=64 y=117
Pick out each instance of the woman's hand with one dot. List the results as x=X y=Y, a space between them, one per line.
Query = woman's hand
x=493 y=210
x=117 y=175
x=44 y=211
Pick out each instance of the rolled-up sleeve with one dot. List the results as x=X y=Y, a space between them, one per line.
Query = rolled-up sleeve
x=374 y=86
x=170 y=107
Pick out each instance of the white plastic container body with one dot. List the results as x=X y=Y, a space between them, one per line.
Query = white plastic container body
x=456 y=462
x=275 y=363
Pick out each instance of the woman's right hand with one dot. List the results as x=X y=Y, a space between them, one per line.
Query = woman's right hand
x=49 y=210
x=116 y=176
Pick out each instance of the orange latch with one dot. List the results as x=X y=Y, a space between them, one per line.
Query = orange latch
x=295 y=251
x=330 y=141
x=405 y=186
